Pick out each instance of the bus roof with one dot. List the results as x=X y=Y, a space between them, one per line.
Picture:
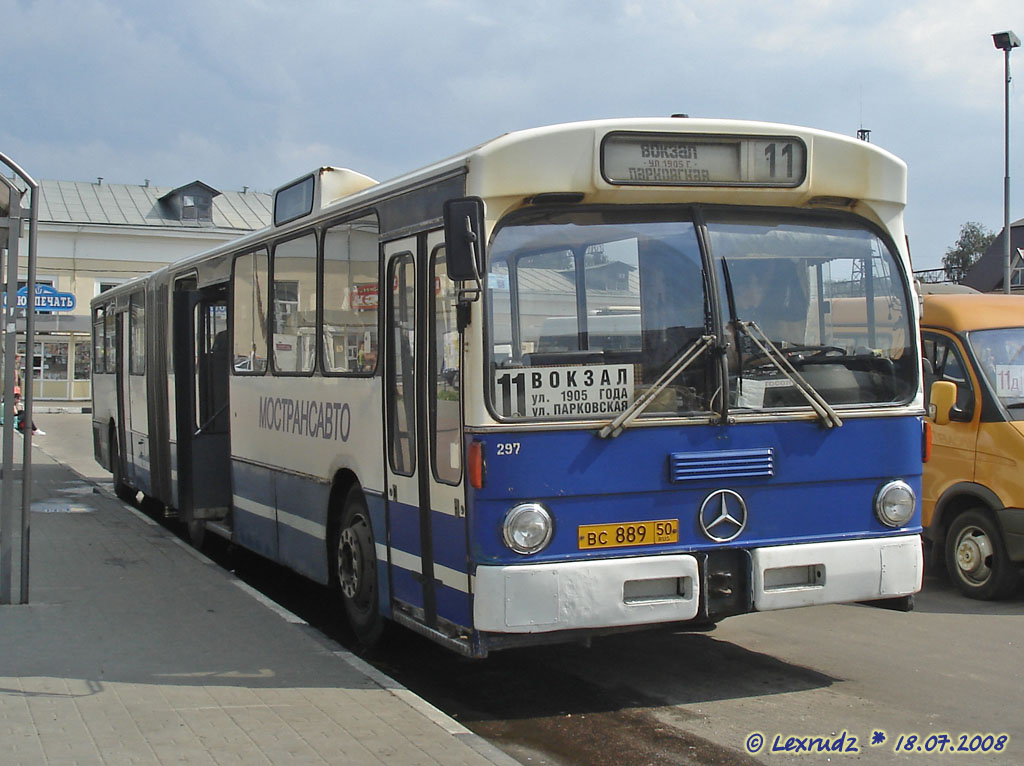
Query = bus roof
x=512 y=170
x=566 y=157
x=972 y=311
x=842 y=171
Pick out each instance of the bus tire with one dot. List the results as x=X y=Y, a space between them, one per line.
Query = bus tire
x=355 y=569
x=121 y=489
x=196 y=533
x=976 y=558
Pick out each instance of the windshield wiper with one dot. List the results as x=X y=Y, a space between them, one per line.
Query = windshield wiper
x=684 y=359
x=829 y=417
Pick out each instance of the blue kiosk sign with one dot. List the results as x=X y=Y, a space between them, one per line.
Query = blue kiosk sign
x=47 y=299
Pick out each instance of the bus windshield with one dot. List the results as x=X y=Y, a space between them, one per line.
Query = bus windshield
x=587 y=309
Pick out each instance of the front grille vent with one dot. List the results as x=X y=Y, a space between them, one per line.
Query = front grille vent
x=723 y=464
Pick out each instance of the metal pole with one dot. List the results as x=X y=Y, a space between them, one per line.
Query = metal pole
x=1006 y=178
x=30 y=340
x=8 y=517
x=7 y=510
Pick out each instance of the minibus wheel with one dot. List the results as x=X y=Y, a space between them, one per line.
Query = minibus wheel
x=976 y=558
x=355 y=566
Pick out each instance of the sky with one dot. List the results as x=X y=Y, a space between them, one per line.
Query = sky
x=253 y=93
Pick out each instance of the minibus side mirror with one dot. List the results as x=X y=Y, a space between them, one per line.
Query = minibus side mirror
x=943 y=401
x=463 y=234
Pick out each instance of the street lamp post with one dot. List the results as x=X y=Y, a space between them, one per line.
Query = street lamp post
x=1006 y=42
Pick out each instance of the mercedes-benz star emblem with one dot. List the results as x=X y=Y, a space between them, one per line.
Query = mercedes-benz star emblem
x=723 y=515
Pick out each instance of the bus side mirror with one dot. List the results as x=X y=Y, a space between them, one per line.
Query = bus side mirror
x=943 y=400
x=463 y=235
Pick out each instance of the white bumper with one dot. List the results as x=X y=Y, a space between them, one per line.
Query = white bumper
x=639 y=591
x=833 y=573
x=586 y=594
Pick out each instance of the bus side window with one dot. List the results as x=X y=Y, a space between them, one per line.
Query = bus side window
x=402 y=365
x=446 y=427
x=249 y=315
x=110 y=338
x=99 y=364
x=350 y=297
x=294 y=306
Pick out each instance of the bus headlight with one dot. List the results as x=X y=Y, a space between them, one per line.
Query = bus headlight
x=528 y=528
x=895 y=503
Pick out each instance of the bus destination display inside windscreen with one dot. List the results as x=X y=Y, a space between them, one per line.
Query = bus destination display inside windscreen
x=578 y=391
x=660 y=160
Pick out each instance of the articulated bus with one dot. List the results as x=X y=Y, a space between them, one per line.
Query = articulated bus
x=579 y=379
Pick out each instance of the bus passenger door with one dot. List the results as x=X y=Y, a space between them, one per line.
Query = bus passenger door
x=201 y=402
x=139 y=465
x=405 y=531
x=445 y=445
x=124 y=436
x=426 y=517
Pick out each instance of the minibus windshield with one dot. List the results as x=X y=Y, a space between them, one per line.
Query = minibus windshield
x=1000 y=355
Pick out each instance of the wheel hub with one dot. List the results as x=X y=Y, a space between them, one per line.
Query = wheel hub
x=350 y=563
x=973 y=552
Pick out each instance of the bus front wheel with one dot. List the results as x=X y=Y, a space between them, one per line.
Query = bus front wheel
x=976 y=558
x=355 y=568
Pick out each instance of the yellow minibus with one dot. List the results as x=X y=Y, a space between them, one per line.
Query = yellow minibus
x=973 y=485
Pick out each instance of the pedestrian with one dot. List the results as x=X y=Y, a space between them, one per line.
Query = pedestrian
x=19 y=405
x=20 y=414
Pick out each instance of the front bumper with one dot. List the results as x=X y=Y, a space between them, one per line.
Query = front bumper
x=607 y=593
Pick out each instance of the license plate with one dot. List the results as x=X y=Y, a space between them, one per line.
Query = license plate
x=632 y=533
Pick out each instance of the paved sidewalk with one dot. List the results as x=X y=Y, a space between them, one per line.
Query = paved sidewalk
x=135 y=649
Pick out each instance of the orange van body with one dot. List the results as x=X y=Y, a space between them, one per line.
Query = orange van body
x=973 y=484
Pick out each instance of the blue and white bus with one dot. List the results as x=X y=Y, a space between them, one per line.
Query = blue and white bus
x=578 y=379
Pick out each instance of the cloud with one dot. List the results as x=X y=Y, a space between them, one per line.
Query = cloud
x=254 y=92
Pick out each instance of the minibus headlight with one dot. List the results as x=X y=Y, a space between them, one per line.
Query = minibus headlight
x=528 y=528
x=895 y=503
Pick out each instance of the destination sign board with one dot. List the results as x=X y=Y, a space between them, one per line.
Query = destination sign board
x=677 y=159
x=596 y=391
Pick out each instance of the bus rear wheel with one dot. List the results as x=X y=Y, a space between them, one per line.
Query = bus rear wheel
x=196 y=533
x=976 y=558
x=355 y=569
x=121 y=489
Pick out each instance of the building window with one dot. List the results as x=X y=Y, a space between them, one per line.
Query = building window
x=196 y=207
x=55 y=361
x=83 y=358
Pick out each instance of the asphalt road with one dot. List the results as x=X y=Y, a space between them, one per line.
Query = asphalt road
x=856 y=679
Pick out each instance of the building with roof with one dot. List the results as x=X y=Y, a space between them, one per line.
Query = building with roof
x=987 y=274
x=92 y=236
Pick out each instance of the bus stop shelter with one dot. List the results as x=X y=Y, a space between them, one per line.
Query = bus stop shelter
x=14 y=505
